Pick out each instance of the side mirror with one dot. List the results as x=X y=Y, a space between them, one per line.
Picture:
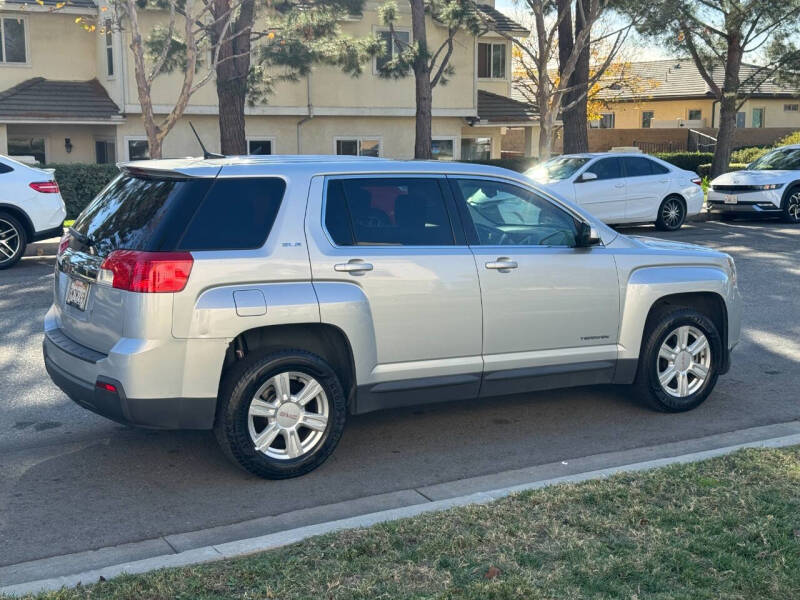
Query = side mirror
x=588 y=176
x=587 y=236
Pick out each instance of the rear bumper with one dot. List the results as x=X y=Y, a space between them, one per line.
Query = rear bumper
x=158 y=413
x=53 y=232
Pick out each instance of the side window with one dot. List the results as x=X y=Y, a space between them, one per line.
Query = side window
x=606 y=168
x=236 y=214
x=387 y=211
x=637 y=167
x=658 y=169
x=507 y=215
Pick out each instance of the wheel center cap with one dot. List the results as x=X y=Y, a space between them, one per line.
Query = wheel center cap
x=288 y=415
x=683 y=361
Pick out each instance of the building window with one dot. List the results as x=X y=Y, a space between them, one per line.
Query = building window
x=443 y=148
x=476 y=148
x=358 y=146
x=492 y=61
x=105 y=152
x=138 y=149
x=695 y=114
x=392 y=45
x=791 y=107
x=606 y=121
x=758 y=117
x=740 y=117
x=260 y=147
x=109 y=38
x=19 y=145
x=647 y=118
x=13 y=47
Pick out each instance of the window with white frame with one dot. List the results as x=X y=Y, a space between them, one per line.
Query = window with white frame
x=358 y=146
x=791 y=107
x=443 y=148
x=695 y=114
x=13 y=45
x=138 y=148
x=479 y=148
x=392 y=45
x=109 y=40
x=259 y=146
x=606 y=121
x=491 y=61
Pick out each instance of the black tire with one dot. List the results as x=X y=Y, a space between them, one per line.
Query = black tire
x=672 y=205
x=660 y=327
x=11 y=231
x=237 y=391
x=791 y=205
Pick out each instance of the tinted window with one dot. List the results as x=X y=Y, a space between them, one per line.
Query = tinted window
x=140 y=213
x=783 y=158
x=637 y=167
x=658 y=169
x=236 y=214
x=606 y=168
x=392 y=211
x=507 y=215
x=5 y=168
x=557 y=169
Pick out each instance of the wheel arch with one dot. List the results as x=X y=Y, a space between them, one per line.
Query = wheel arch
x=22 y=217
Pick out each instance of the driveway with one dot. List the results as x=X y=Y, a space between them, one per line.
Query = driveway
x=71 y=481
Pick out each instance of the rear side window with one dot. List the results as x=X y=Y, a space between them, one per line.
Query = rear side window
x=387 y=211
x=639 y=167
x=5 y=168
x=606 y=168
x=237 y=214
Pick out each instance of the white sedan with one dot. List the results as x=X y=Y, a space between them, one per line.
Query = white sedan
x=770 y=184
x=619 y=187
x=31 y=208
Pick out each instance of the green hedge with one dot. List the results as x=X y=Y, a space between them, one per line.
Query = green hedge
x=690 y=161
x=705 y=170
x=520 y=164
x=748 y=155
x=80 y=182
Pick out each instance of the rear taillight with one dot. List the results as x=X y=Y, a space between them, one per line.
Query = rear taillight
x=64 y=243
x=147 y=272
x=697 y=181
x=45 y=187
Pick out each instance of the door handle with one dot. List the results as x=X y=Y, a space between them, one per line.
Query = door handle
x=663 y=181
x=619 y=185
x=354 y=266
x=502 y=264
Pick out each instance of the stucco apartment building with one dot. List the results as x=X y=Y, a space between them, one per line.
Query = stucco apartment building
x=67 y=95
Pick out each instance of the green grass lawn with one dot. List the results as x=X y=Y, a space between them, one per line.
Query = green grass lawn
x=724 y=528
x=69 y=222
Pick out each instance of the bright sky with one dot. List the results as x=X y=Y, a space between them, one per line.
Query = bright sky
x=642 y=49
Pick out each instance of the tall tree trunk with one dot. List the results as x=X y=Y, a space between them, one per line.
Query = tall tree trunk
x=727 y=107
x=422 y=77
x=575 y=119
x=232 y=69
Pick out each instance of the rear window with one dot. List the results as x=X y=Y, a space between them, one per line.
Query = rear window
x=136 y=212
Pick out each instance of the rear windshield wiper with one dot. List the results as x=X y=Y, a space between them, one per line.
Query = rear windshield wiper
x=84 y=239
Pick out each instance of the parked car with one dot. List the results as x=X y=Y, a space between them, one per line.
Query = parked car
x=769 y=185
x=31 y=209
x=269 y=298
x=619 y=187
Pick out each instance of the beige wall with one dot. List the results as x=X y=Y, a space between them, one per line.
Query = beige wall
x=628 y=115
x=57 y=49
x=82 y=138
x=774 y=115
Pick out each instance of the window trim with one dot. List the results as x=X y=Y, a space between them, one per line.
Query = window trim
x=475 y=137
x=763 y=110
x=791 y=107
x=456 y=145
x=652 y=114
x=492 y=77
x=261 y=138
x=359 y=139
x=376 y=30
x=107 y=140
x=689 y=112
x=109 y=45
x=133 y=138
x=453 y=214
x=24 y=20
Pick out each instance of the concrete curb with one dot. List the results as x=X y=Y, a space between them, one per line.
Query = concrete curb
x=242 y=547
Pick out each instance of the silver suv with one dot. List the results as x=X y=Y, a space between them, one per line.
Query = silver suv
x=269 y=298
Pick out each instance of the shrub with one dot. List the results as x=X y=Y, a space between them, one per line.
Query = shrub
x=705 y=170
x=80 y=182
x=519 y=164
x=792 y=138
x=686 y=160
x=748 y=155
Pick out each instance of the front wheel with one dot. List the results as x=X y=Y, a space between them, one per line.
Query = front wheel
x=680 y=360
x=12 y=240
x=280 y=414
x=791 y=206
x=671 y=214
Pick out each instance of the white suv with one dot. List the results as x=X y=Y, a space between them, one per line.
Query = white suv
x=269 y=298
x=31 y=209
x=621 y=187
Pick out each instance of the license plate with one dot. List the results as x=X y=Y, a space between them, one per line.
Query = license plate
x=77 y=293
x=731 y=199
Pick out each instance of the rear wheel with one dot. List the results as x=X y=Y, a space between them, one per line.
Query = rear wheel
x=671 y=214
x=791 y=206
x=12 y=240
x=679 y=363
x=280 y=414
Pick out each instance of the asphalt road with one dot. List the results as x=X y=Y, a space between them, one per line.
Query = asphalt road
x=72 y=481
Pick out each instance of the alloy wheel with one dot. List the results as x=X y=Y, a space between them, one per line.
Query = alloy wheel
x=288 y=415
x=793 y=207
x=684 y=361
x=9 y=240
x=672 y=213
